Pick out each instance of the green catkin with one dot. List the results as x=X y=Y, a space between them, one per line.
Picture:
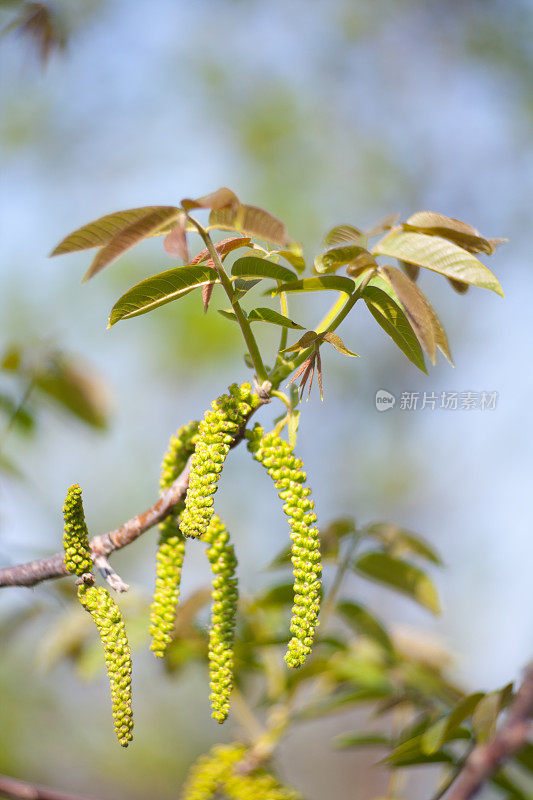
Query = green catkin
x=171 y=548
x=277 y=456
x=223 y=562
x=216 y=774
x=77 y=558
x=108 y=619
x=216 y=432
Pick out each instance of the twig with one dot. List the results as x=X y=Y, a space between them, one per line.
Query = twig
x=21 y=790
x=108 y=573
x=485 y=759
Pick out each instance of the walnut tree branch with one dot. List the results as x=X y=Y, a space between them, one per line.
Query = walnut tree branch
x=485 y=759
x=21 y=790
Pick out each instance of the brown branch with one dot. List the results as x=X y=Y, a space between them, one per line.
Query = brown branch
x=21 y=790
x=45 y=569
x=485 y=759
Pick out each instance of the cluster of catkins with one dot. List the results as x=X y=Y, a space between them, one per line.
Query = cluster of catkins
x=216 y=432
x=217 y=774
x=278 y=458
x=206 y=445
x=171 y=549
x=104 y=611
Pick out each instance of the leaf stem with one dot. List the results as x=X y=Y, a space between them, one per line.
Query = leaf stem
x=249 y=338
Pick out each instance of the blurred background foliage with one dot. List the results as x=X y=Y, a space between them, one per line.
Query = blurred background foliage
x=323 y=112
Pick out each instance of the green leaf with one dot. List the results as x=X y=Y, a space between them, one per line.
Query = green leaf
x=102 y=230
x=399 y=575
x=269 y=315
x=361 y=263
x=525 y=757
x=346 y=740
x=252 y=221
x=439 y=255
x=433 y=737
x=464 y=709
x=338 y=344
x=391 y=318
x=410 y=754
x=147 y=225
x=362 y=621
x=337 y=257
x=485 y=716
x=399 y=541
x=344 y=234
x=454 y=230
x=502 y=780
x=243 y=285
x=345 y=699
x=326 y=282
x=252 y=266
x=281 y=594
x=160 y=289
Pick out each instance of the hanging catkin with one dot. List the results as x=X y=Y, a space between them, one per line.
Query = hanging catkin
x=77 y=557
x=221 y=423
x=108 y=619
x=277 y=456
x=171 y=548
x=223 y=562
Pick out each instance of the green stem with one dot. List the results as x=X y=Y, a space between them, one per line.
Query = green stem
x=249 y=338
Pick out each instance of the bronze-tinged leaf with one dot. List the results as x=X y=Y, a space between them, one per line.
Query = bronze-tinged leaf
x=102 y=230
x=221 y=198
x=344 y=234
x=304 y=342
x=223 y=248
x=361 y=263
x=439 y=255
x=75 y=385
x=416 y=307
x=441 y=340
x=252 y=221
x=295 y=258
x=383 y=225
x=42 y=26
x=175 y=242
x=411 y=270
x=454 y=230
x=207 y=291
x=128 y=237
x=338 y=344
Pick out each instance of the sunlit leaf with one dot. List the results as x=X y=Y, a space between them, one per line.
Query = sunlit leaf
x=487 y=711
x=410 y=754
x=296 y=260
x=175 y=242
x=252 y=221
x=362 y=621
x=346 y=740
x=160 y=289
x=102 y=230
x=337 y=257
x=399 y=575
x=304 y=342
x=391 y=318
x=338 y=344
x=361 y=263
x=316 y=284
x=439 y=255
x=131 y=235
x=221 y=198
x=251 y=266
x=344 y=700
x=456 y=231
x=400 y=541
x=243 y=285
x=344 y=234
x=269 y=315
